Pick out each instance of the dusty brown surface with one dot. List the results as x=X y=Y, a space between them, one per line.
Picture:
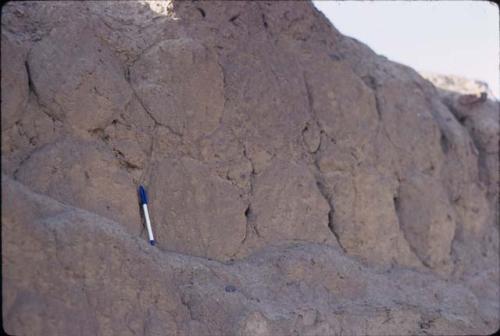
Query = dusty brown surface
x=299 y=183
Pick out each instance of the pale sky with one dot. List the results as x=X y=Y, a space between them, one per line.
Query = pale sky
x=448 y=37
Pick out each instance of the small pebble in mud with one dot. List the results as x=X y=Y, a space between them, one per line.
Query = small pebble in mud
x=230 y=288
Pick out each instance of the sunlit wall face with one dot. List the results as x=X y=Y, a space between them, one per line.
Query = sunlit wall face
x=449 y=37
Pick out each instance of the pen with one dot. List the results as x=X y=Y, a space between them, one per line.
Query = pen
x=144 y=202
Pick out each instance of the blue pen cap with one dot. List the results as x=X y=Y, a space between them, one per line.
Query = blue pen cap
x=143 y=195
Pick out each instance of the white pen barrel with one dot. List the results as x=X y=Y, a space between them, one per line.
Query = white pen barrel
x=148 y=222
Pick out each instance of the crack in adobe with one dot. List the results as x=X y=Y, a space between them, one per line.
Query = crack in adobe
x=32 y=89
x=397 y=210
x=233 y=18
x=31 y=85
x=147 y=166
x=250 y=223
x=326 y=195
x=249 y=215
x=370 y=81
x=320 y=183
x=252 y=172
x=264 y=21
x=250 y=219
x=202 y=12
x=123 y=161
x=148 y=112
